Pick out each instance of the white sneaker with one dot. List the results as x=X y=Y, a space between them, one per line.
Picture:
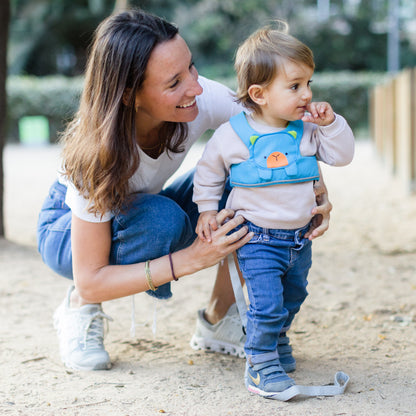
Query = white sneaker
x=81 y=335
x=225 y=337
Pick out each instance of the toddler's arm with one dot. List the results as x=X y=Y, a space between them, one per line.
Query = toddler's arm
x=327 y=135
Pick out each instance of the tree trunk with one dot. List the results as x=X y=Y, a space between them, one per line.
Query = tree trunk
x=4 y=32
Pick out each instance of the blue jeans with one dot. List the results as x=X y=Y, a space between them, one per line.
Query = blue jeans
x=275 y=266
x=151 y=226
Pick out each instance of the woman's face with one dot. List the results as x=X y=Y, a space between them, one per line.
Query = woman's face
x=170 y=86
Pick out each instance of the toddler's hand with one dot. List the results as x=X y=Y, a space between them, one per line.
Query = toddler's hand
x=320 y=114
x=207 y=222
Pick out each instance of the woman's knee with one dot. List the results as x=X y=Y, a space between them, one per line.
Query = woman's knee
x=152 y=224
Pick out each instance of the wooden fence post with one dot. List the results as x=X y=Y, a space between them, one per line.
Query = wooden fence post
x=393 y=125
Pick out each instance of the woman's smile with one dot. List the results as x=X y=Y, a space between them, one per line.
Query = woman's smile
x=188 y=105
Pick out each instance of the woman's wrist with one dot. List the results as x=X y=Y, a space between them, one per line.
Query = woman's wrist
x=171 y=267
x=184 y=263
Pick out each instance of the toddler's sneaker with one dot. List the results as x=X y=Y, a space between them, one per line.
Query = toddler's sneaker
x=266 y=379
x=81 y=335
x=225 y=337
x=284 y=349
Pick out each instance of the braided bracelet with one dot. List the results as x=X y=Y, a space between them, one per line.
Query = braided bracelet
x=149 y=276
x=171 y=267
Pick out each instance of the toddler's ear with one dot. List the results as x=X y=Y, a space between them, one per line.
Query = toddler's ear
x=256 y=93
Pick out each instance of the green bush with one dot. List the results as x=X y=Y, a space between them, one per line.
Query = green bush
x=57 y=97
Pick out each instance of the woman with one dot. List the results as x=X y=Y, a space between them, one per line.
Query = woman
x=142 y=108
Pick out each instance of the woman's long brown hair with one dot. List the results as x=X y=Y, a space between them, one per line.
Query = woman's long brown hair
x=100 y=152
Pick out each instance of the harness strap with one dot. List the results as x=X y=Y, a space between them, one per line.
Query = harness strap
x=238 y=291
x=341 y=381
x=243 y=129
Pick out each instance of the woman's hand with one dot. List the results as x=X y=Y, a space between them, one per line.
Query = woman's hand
x=222 y=243
x=321 y=213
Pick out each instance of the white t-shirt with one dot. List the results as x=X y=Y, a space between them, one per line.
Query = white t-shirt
x=216 y=105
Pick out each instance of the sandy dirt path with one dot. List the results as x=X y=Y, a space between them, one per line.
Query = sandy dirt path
x=359 y=318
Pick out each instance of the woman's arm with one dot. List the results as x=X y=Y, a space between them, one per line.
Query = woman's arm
x=98 y=281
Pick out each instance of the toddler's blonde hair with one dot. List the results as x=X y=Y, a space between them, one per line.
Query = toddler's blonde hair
x=262 y=55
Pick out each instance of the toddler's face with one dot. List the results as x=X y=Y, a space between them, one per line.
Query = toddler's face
x=288 y=95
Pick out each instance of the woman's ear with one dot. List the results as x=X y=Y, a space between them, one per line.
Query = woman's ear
x=256 y=93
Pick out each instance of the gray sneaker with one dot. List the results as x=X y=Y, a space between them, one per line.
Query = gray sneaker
x=81 y=335
x=225 y=337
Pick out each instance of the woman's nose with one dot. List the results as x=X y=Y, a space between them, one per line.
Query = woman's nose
x=194 y=87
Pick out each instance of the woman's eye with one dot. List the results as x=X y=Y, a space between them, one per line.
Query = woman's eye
x=174 y=84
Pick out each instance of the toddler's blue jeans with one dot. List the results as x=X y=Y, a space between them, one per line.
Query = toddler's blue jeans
x=275 y=266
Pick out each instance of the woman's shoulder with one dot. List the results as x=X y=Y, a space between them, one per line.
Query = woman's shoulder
x=217 y=102
x=213 y=90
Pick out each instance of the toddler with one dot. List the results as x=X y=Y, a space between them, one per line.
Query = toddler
x=269 y=153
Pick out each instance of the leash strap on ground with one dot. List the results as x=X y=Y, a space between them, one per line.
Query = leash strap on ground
x=340 y=383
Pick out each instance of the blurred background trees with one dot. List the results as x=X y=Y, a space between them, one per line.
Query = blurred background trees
x=355 y=43
x=50 y=37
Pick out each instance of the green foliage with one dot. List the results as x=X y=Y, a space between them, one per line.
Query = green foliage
x=48 y=37
x=215 y=28
x=57 y=97
x=358 y=49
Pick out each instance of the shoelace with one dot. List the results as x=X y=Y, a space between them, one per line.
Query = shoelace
x=94 y=331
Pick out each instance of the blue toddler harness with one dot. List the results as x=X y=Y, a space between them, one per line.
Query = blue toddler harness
x=275 y=158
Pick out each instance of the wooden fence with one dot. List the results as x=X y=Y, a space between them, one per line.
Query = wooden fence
x=393 y=125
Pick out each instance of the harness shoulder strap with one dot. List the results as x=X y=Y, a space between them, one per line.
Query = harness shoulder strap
x=295 y=129
x=241 y=126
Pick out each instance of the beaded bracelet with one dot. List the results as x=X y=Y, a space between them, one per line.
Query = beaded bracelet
x=149 y=276
x=171 y=267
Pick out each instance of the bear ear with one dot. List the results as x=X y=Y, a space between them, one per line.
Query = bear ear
x=293 y=133
x=256 y=93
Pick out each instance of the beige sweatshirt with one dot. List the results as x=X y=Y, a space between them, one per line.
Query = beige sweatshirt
x=286 y=206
